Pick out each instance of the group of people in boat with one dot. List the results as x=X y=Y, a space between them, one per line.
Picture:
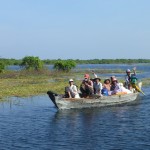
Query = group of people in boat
x=90 y=87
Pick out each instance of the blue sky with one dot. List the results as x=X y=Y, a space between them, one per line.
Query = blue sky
x=75 y=29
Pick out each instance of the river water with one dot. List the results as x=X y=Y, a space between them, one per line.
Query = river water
x=34 y=123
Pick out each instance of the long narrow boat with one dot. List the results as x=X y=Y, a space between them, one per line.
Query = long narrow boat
x=69 y=103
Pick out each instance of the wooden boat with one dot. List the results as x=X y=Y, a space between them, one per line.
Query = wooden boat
x=69 y=103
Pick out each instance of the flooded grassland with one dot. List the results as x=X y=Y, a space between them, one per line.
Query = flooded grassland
x=29 y=83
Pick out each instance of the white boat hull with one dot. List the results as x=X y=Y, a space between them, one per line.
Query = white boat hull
x=69 y=103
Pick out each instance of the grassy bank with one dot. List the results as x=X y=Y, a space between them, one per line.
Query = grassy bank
x=29 y=83
x=23 y=83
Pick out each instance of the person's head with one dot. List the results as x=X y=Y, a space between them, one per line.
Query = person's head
x=70 y=81
x=114 y=81
x=112 y=77
x=128 y=71
x=107 y=81
x=97 y=79
x=86 y=77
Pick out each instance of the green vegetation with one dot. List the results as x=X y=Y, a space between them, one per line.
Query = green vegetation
x=64 y=65
x=91 y=61
x=10 y=61
x=103 y=61
x=35 y=79
x=2 y=67
x=30 y=82
x=30 y=62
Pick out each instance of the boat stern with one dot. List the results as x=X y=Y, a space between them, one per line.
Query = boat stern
x=52 y=97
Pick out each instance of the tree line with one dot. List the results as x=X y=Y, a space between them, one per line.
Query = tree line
x=35 y=63
x=78 y=61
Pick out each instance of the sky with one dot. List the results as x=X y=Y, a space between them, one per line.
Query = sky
x=75 y=29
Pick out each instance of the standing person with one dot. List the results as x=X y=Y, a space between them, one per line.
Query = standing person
x=71 y=91
x=86 y=86
x=97 y=85
x=128 y=78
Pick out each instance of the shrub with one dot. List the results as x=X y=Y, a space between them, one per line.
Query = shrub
x=30 y=62
x=64 y=65
x=2 y=67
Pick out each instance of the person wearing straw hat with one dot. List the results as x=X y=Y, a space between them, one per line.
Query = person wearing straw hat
x=97 y=86
x=114 y=86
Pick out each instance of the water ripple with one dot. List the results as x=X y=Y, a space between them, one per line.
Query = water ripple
x=34 y=123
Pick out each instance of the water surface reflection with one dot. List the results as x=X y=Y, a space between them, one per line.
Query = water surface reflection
x=34 y=123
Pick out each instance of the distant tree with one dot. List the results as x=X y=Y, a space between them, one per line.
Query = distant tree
x=64 y=65
x=30 y=62
x=2 y=67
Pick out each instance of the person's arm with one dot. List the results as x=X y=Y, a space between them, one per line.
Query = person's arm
x=90 y=85
x=134 y=71
x=101 y=86
x=75 y=89
x=95 y=75
x=127 y=79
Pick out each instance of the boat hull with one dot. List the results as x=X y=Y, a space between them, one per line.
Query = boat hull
x=69 y=103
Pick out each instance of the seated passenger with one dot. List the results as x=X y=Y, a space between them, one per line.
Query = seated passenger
x=112 y=78
x=107 y=84
x=86 y=86
x=97 y=85
x=71 y=91
x=105 y=91
x=115 y=88
x=123 y=89
x=106 y=88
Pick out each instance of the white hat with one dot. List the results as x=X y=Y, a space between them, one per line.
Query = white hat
x=128 y=70
x=71 y=80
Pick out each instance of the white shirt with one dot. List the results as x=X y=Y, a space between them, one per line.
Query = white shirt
x=98 y=87
x=74 y=90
